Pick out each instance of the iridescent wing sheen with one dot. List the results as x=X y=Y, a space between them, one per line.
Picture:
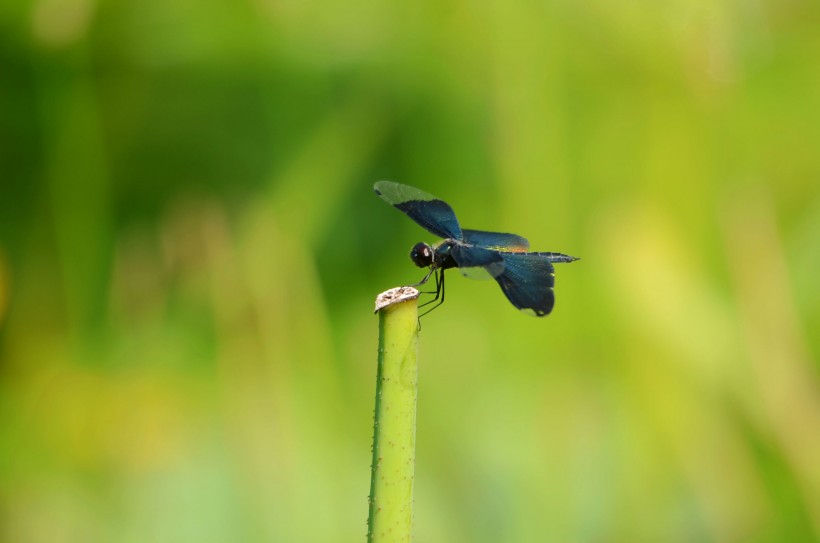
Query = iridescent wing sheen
x=498 y=241
x=432 y=214
x=477 y=262
x=528 y=280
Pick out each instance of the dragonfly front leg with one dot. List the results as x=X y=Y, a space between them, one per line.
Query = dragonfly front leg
x=427 y=277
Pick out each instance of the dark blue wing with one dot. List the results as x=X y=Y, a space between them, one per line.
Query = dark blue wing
x=429 y=212
x=496 y=240
x=477 y=262
x=527 y=281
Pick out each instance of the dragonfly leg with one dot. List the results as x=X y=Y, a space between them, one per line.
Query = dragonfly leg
x=439 y=297
x=427 y=277
x=436 y=292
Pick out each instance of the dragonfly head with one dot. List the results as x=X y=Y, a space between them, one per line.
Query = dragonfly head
x=422 y=255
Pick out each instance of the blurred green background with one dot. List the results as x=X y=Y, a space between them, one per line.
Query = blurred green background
x=190 y=248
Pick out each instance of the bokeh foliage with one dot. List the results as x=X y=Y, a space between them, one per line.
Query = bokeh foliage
x=190 y=248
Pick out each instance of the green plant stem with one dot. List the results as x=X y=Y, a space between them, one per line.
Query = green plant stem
x=394 y=430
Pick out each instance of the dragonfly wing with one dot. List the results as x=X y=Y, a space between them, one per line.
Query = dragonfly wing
x=528 y=280
x=432 y=214
x=496 y=240
x=477 y=262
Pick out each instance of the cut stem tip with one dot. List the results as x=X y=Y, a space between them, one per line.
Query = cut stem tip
x=394 y=296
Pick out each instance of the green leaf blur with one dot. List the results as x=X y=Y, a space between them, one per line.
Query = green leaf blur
x=190 y=248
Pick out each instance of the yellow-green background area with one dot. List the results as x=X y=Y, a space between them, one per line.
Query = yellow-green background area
x=191 y=248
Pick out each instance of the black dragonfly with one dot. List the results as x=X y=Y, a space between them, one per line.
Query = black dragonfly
x=527 y=278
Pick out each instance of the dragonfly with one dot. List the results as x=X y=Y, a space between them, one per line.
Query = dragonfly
x=526 y=278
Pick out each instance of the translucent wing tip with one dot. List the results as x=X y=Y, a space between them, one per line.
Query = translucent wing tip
x=378 y=187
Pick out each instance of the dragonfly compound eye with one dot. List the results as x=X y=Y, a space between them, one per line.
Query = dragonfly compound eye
x=422 y=255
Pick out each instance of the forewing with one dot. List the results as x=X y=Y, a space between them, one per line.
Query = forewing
x=429 y=212
x=527 y=280
x=477 y=262
x=498 y=241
